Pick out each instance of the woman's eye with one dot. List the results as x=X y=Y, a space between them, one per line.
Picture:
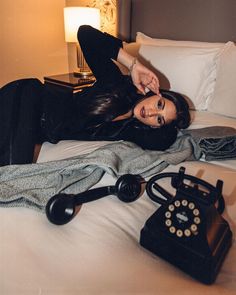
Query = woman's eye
x=159 y=120
x=159 y=104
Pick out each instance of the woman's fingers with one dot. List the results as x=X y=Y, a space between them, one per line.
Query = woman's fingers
x=144 y=78
x=153 y=84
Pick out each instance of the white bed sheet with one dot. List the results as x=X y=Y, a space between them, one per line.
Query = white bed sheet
x=98 y=252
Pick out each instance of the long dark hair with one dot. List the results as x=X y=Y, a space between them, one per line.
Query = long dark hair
x=106 y=102
x=103 y=103
x=183 y=118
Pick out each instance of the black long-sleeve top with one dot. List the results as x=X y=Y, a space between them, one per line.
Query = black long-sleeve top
x=71 y=122
x=32 y=112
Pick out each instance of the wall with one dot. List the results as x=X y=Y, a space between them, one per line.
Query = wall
x=199 y=20
x=32 y=39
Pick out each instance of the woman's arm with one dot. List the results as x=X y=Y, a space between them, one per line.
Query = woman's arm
x=141 y=76
x=100 y=48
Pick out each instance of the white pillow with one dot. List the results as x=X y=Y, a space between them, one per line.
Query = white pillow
x=144 y=39
x=190 y=71
x=224 y=99
x=224 y=67
x=225 y=71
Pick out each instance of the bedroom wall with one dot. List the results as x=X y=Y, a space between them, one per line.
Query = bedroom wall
x=32 y=39
x=202 y=20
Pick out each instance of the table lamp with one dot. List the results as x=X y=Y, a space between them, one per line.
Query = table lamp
x=74 y=17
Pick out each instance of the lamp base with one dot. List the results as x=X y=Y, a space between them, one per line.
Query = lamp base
x=83 y=73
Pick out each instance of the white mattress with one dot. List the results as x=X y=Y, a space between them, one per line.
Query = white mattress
x=98 y=251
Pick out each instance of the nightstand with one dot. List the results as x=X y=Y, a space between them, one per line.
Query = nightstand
x=68 y=82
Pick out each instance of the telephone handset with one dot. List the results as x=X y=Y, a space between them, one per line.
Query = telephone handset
x=188 y=229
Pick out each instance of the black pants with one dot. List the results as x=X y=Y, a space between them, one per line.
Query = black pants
x=20 y=112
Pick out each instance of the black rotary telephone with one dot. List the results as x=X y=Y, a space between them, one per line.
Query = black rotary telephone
x=187 y=230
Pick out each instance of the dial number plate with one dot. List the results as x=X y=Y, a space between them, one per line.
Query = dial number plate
x=182 y=218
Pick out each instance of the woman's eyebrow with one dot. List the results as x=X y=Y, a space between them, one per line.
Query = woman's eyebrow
x=164 y=122
x=163 y=104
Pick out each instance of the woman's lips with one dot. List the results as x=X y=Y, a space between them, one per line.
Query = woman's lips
x=142 y=112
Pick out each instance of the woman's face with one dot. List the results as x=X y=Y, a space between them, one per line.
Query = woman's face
x=155 y=111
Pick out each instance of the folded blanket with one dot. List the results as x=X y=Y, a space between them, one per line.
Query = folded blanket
x=31 y=185
x=215 y=143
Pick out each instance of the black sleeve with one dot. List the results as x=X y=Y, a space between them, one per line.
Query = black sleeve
x=99 y=49
x=144 y=136
x=158 y=139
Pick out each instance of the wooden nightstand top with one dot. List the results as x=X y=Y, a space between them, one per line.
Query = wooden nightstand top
x=70 y=81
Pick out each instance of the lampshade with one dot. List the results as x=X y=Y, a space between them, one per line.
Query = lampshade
x=74 y=17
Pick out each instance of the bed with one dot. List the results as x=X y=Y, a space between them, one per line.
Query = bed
x=98 y=252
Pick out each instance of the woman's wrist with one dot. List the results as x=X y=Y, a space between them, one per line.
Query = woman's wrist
x=133 y=64
x=126 y=59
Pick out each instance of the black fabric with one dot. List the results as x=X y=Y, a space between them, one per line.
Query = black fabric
x=20 y=112
x=129 y=130
x=32 y=112
x=98 y=49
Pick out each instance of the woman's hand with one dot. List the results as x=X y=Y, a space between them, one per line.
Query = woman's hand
x=143 y=78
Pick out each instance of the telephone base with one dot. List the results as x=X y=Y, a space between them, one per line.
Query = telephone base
x=201 y=266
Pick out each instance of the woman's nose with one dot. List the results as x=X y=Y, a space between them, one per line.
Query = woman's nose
x=153 y=112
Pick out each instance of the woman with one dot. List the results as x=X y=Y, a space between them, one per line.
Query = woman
x=115 y=108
